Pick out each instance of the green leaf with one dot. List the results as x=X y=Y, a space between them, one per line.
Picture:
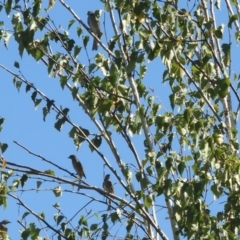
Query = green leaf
x=16 y=64
x=217 y=190
x=42 y=215
x=37 y=102
x=36 y=7
x=84 y=233
x=217 y=4
x=187 y=114
x=70 y=23
x=140 y=58
x=147 y=201
x=97 y=141
x=79 y=31
x=39 y=183
x=105 y=106
x=3 y=147
x=34 y=232
x=83 y=221
x=63 y=81
x=141 y=89
x=3 y=201
x=17 y=84
x=143 y=70
x=66 y=111
x=172 y=100
x=219 y=32
x=8 y=6
x=45 y=112
x=83 y=132
x=28 y=87
x=113 y=74
x=77 y=50
x=74 y=92
x=232 y=19
x=23 y=179
x=226 y=50
x=58 y=218
x=49 y=104
x=59 y=123
x=223 y=87
x=49 y=172
x=78 y=135
x=181 y=166
x=34 y=94
x=169 y=163
x=25 y=215
x=70 y=44
x=2 y=120
x=113 y=41
x=237 y=35
x=130 y=67
x=91 y=67
x=144 y=183
x=25 y=234
x=138 y=176
x=94 y=227
x=115 y=216
x=85 y=40
x=63 y=226
x=57 y=191
x=42 y=21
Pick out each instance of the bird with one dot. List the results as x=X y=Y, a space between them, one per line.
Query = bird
x=3 y=229
x=108 y=187
x=77 y=166
x=95 y=28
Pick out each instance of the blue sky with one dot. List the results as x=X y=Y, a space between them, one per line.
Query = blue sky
x=26 y=126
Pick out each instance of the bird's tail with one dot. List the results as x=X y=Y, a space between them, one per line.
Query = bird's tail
x=95 y=45
x=109 y=204
x=79 y=182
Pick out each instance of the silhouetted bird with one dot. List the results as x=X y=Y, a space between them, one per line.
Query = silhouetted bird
x=108 y=187
x=77 y=166
x=95 y=28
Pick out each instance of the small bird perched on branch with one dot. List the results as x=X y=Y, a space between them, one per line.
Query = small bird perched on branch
x=95 y=28
x=77 y=166
x=108 y=187
x=3 y=229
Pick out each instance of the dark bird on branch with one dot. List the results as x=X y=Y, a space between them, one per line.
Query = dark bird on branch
x=108 y=187
x=77 y=166
x=95 y=28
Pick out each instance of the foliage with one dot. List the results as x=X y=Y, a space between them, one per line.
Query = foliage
x=190 y=151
